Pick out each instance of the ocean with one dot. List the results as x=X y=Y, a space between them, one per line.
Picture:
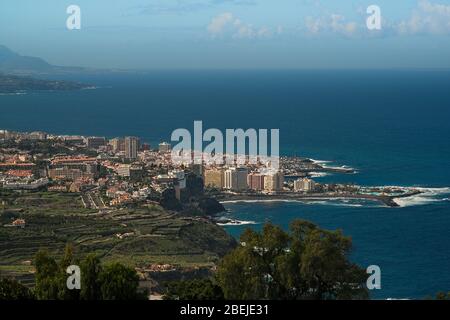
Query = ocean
x=392 y=126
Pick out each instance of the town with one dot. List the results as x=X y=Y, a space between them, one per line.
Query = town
x=122 y=171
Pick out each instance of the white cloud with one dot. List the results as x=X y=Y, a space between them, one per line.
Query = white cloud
x=227 y=25
x=334 y=23
x=427 y=18
x=219 y=23
x=340 y=25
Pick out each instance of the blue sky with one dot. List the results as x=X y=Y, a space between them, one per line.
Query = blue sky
x=173 y=34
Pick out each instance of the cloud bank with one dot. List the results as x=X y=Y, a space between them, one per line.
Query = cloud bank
x=427 y=18
x=226 y=25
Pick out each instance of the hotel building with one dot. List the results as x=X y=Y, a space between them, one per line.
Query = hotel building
x=131 y=147
x=304 y=185
x=95 y=142
x=213 y=178
x=273 y=181
x=255 y=181
x=236 y=179
x=164 y=147
x=117 y=144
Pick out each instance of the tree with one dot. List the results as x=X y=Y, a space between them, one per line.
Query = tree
x=68 y=259
x=197 y=289
x=51 y=277
x=307 y=263
x=119 y=282
x=114 y=282
x=90 y=282
x=169 y=200
x=11 y=289
x=47 y=286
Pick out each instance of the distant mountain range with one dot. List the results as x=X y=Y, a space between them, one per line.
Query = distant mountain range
x=14 y=63
x=17 y=74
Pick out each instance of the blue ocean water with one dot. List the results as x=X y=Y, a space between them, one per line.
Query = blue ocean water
x=392 y=126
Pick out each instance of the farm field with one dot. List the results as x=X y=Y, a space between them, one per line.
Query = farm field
x=136 y=237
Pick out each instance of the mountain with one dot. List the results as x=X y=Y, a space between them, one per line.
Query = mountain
x=14 y=63
x=17 y=74
x=11 y=62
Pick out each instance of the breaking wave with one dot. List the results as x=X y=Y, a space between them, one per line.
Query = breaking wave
x=342 y=202
x=319 y=174
x=428 y=196
x=13 y=94
x=235 y=222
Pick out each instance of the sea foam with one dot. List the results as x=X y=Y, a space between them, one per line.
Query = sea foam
x=428 y=196
x=235 y=222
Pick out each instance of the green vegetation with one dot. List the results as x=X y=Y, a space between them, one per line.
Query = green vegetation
x=307 y=263
x=197 y=289
x=46 y=149
x=37 y=147
x=11 y=84
x=304 y=263
x=98 y=282
x=149 y=234
x=11 y=289
x=118 y=282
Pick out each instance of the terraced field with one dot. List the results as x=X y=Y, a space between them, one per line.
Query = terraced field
x=148 y=234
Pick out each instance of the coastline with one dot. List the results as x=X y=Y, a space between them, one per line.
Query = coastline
x=388 y=201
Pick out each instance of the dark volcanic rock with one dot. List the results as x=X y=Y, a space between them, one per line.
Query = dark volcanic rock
x=210 y=206
x=169 y=201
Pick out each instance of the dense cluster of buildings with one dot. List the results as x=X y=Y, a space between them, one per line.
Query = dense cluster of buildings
x=9 y=135
x=241 y=179
x=73 y=168
x=126 y=169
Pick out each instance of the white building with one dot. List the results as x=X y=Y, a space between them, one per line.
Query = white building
x=26 y=184
x=124 y=170
x=179 y=176
x=273 y=181
x=304 y=185
x=236 y=179
x=131 y=147
x=164 y=147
